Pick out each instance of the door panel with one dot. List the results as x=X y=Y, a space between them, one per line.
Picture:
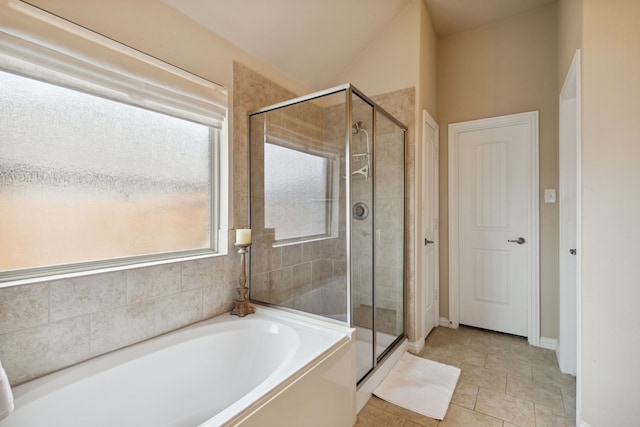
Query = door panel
x=494 y=211
x=491 y=270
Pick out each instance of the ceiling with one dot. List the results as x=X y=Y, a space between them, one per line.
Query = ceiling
x=315 y=41
x=454 y=16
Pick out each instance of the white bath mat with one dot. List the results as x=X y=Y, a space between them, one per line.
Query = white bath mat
x=420 y=385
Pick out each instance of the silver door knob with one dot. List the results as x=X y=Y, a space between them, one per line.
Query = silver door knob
x=519 y=240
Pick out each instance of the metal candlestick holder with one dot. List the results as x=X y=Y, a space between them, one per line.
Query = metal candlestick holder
x=242 y=307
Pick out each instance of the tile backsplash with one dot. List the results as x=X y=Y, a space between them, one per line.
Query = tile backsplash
x=51 y=325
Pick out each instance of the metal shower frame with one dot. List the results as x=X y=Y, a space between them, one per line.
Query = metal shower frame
x=350 y=90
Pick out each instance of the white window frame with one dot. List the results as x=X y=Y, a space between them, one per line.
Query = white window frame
x=333 y=178
x=40 y=45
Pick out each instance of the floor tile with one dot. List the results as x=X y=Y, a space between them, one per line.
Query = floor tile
x=441 y=355
x=370 y=416
x=483 y=378
x=544 y=394
x=488 y=346
x=552 y=375
x=534 y=355
x=465 y=395
x=376 y=402
x=508 y=363
x=474 y=357
x=505 y=382
x=546 y=417
x=457 y=416
x=569 y=401
x=500 y=405
x=459 y=335
x=413 y=417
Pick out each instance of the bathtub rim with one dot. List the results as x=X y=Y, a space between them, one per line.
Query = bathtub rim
x=339 y=335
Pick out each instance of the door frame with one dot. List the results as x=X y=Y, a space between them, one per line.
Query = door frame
x=570 y=322
x=533 y=293
x=427 y=120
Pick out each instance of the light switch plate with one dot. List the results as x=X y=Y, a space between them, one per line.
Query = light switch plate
x=549 y=195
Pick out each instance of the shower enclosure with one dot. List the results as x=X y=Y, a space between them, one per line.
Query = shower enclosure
x=327 y=209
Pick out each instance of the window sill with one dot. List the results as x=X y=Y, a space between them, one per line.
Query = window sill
x=106 y=269
x=292 y=242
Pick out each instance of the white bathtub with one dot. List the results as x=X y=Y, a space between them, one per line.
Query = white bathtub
x=269 y=368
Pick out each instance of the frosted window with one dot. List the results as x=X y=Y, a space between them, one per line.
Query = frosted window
x=297 y=192
x=83 y=178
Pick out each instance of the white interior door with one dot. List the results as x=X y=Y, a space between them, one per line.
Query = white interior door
x=496 y=239
x=430 y=224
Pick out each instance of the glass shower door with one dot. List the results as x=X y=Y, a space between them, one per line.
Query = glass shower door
x=389 y=232
x=362 y=280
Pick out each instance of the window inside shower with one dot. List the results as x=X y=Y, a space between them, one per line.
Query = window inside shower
x=298 y=199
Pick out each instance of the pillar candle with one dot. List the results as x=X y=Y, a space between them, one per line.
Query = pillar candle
x=243 y=236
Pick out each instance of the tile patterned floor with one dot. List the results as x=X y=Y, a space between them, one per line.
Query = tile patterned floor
x=505 y=382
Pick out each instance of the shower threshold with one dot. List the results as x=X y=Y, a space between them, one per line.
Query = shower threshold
x=374 y=378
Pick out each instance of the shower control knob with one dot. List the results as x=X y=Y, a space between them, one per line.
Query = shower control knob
x=360 y=210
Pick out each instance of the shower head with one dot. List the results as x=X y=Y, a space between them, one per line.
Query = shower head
x=357 y=126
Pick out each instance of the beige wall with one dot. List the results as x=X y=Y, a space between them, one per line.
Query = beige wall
x=428 y=83
x=402 y=56
x=610 y=212
x=505 y=68
x=569 y=35
x=391 y=61
x=155 y=28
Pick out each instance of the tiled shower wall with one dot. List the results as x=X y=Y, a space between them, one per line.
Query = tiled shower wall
x=312 y=276
x=386 y=182
x=309 y=276
x=401 y=105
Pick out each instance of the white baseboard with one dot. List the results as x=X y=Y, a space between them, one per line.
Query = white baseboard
x=416 y=347
x=549 y=343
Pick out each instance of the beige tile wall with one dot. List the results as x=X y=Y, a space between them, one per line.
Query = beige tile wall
x=48 y=326
x=310 y=276
x=401 y=105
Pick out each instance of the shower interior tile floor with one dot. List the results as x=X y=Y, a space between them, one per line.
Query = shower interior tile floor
x=505 y=382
